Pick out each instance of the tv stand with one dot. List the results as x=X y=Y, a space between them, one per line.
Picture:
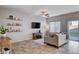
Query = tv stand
x=36 y=36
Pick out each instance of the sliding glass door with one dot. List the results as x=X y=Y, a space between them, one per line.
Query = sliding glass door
x=73 y=30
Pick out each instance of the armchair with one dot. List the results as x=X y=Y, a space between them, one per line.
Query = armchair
x=56 y=39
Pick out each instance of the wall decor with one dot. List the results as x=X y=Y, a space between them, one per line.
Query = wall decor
x=11 y=17
x=15 y=25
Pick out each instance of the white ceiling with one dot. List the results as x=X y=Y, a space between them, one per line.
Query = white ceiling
x=52 y=9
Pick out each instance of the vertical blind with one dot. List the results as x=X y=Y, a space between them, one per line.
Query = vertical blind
x=55 y=26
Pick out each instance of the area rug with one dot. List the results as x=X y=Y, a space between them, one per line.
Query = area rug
x=31 y=47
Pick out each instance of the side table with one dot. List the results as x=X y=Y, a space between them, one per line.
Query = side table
x=5 y=43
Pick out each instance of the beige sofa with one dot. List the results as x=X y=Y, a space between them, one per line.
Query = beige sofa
x=56 y=39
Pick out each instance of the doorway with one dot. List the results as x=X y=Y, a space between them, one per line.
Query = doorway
x=73 y=30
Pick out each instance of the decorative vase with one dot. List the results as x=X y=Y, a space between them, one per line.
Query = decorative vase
x=3 y=35
x=6 y=51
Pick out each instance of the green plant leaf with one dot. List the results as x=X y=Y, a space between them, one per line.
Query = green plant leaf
x=3 y=30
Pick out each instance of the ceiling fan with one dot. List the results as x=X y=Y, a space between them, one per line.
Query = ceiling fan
x=44 y=13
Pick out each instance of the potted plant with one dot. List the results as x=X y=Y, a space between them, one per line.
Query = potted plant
x=3 y=31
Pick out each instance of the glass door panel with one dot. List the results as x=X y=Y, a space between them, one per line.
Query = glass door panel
x=73 y=30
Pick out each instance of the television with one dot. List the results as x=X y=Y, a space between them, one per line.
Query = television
x=35 y=25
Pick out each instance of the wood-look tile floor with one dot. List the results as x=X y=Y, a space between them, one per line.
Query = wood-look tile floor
x=33 y=47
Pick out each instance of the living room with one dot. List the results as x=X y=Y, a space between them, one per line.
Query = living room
x=29 y=27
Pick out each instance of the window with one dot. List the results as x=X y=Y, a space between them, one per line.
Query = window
x=73 y=25
x=55 y=26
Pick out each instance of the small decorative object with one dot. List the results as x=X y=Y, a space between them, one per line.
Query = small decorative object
x=3 y=31
x=18 y=19
x=6 y=51
x=11 y=16
x=8 y=24
x=15 y=25
x=14 y=18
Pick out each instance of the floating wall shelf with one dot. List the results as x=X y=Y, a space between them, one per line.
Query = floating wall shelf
x=14 y=26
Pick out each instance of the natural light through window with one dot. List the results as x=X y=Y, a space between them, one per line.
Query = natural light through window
x=73 y=25
x=55 y=26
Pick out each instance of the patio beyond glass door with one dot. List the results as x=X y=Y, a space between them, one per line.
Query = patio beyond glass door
x=73 y=30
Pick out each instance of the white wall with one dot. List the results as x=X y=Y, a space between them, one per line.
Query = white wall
x=27 y=31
